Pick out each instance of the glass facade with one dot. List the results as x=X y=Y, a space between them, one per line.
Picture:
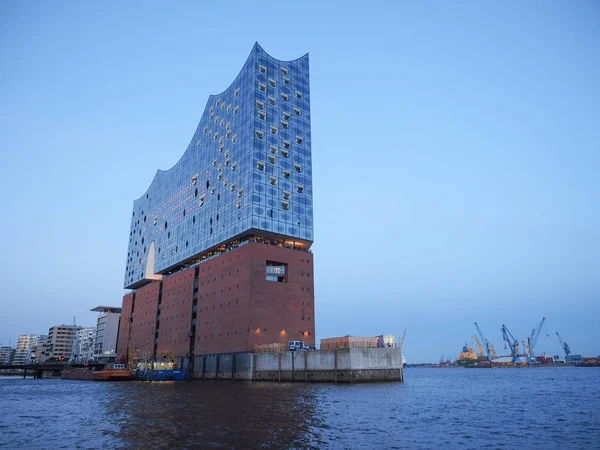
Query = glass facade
x=247 y=169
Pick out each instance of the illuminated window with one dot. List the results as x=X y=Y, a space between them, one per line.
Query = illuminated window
x=276 y=271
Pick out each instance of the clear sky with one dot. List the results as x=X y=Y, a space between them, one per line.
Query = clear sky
x=456 y=153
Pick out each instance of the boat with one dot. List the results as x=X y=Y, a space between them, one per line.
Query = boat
x=97 y=372
x=467 y=357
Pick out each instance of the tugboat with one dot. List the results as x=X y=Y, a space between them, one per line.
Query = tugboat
x=97 y=372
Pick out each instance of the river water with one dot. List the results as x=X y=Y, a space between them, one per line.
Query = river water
x=435 y=408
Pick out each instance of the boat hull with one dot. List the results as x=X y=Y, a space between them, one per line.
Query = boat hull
x=87 y=374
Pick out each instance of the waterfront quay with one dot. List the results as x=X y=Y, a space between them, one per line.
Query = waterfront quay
x=343 y=365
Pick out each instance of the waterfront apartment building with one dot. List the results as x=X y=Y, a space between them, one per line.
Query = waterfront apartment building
x=59 y=344
x=7 y=355
x=84 y=350
x=219 y=247
x=26 y=344
x=107 y=331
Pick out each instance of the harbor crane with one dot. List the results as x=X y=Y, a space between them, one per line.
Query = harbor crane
x=488 y=346
x=533 y=338
x=513 y=344
x=565 y=347
x=479 y=346
x=401 y=343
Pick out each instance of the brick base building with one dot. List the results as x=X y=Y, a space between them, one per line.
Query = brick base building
x=257 y=293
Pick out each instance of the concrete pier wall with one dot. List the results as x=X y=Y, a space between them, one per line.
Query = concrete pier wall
x=343 y=365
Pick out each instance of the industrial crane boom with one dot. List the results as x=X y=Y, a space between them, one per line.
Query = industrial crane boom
x=488 y=349
x=512 y=343
x=402 y=339
x=532 y=340
x=479 y=346
x=564 y=346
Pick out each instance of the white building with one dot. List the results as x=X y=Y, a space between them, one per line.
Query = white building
x=84 y=347
x=107 y=332
x=26 y=344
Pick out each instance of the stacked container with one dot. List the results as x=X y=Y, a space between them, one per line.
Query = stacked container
x=348 y=342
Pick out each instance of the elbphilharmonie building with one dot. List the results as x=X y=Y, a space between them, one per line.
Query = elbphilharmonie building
x=219 y=253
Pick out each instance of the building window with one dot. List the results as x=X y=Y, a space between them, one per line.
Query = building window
x=272 y=82
x=297 y=111
x=276 y=271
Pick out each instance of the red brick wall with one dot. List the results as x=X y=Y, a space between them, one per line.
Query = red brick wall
x=141 y=334
x=124 y=326
x=176 y=314
x=234 y=300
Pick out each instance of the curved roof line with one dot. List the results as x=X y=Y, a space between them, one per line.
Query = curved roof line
x=159 y=172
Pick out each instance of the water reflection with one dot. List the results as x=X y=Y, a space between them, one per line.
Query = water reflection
x=213 y=414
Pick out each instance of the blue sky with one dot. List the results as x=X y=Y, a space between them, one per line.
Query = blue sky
x=456 y=153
